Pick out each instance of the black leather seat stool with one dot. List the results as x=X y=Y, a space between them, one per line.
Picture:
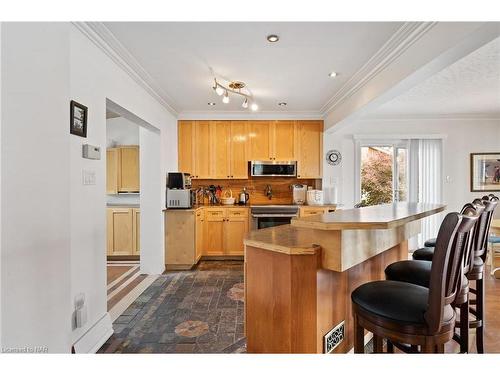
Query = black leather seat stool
x=411 y=314
x=418 y=272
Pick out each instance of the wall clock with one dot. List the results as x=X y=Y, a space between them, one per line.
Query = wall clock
x=333 y=157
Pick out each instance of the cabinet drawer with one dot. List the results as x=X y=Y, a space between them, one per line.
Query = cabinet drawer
x=214 y=213
x=237 y=212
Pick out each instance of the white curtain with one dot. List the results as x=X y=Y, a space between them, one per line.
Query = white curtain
x=430 y=186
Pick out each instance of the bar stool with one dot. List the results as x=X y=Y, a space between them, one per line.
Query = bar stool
x=418 y=272
x=476 y=272
x=411 y=314
x=425 y=253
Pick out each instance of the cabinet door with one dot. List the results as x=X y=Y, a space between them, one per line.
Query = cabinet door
x=119 y=231
x=129 y=169
x=283 y=140
x=185 y=135
x=112 y=165
x=201 y=145
x=310 y=149
x=220 y=138
x=235 y=230
x=214 y=244
x=199 y=233
x=259 y=140
x=239 y=149
x=136 y=232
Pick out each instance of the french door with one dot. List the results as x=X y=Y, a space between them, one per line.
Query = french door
x=382 y=172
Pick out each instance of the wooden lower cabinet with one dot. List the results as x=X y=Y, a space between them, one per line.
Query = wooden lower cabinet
x=207 y=231
x=123 y=231
x=305 y=211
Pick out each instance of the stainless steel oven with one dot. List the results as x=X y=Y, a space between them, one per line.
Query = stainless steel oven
x=272 y=215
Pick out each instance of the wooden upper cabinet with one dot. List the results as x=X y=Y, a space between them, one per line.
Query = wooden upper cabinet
x=283 y=140
x=222 y=149
x=220 y=136
x=185 y=137
x=201 y=146
x=259 y=139
x=112 y=166
x=310 y=149
x=238 y=146
x=128 y=173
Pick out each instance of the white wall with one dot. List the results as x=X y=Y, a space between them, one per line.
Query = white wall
x=463 y=136
x=35 y=243
x=95 y=77
x=120 y=131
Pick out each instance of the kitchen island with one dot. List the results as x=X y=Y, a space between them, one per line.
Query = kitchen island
x=299 y=277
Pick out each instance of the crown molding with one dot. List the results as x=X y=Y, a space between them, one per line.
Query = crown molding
x=399 y=42
x=449 y=116
x=104 y=39
x=260 y=115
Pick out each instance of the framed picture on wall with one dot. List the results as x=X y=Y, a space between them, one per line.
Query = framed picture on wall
x=485 y=171
x=78 y=119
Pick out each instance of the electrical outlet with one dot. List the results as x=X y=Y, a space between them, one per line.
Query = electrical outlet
x=80 y=314
x=333 y=338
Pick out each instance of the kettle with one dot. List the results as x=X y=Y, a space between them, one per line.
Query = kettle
x=243 y=197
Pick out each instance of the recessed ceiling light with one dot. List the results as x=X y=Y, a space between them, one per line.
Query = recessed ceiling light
x=211 y=103
x=332 y=74
x=273 y=38
x=282 y=104
x=254 y=107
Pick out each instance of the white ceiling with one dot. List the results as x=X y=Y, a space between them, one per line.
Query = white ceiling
x=179 y=56
x=469 y=87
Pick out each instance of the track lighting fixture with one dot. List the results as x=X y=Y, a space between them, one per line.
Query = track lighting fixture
x=234 y=87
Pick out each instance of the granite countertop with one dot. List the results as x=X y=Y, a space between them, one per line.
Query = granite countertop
x=131 y=205
x=383 y=216
x=198 y=206
x=284 y=239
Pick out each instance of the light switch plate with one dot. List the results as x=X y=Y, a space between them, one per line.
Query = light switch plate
x=88 y=177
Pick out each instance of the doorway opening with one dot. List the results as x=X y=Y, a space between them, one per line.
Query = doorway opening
x=132 y=147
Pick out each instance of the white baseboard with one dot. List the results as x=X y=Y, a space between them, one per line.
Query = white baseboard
x=95 y=337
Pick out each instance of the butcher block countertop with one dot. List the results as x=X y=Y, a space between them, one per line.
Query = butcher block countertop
x=384 y=216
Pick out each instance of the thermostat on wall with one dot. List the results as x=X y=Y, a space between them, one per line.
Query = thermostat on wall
x=91 y=152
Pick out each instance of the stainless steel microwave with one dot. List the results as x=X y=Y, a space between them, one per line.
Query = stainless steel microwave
x=273 y=168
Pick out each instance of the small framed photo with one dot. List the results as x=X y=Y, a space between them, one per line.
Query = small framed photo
x=485 y=171
x=78 y=119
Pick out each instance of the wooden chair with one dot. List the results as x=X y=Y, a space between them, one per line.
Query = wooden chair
x=418 y=272
x=412 y=314
x=476 y=273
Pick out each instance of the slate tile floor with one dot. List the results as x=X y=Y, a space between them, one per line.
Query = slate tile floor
x=197 y=311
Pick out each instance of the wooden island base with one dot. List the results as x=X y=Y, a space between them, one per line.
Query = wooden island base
x=291 y=302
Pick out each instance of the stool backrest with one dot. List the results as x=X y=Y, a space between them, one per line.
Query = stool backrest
x=476 y=209
x=490 y=202
x=446 y=269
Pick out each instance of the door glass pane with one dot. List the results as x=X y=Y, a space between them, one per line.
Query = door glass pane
x=401 y=165
x=376 y=175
